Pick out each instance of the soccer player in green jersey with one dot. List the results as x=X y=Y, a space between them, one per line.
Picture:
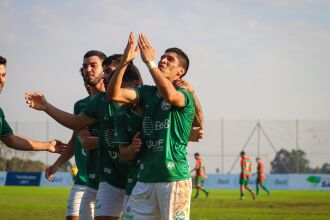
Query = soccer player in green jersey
x=163 y=189
x=246 y=167
x=128 y=123
x=80 y=180
x=112 y=170
x=200 y=175
x=260 y=177
x=83 y=193
x=18 y=142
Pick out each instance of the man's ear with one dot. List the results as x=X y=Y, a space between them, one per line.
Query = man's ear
x=180 y=72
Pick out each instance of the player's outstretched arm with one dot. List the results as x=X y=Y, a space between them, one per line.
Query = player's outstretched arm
x=114 y=90
x=26 y=144
x=199 y=116
x=165 y=87
x=38 y=101
x=50 y=171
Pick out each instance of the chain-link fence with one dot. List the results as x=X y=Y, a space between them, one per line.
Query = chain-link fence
x=224 y=139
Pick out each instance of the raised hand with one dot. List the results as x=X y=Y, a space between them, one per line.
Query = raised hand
x=196 y=134
x=146 y=50
x=50 y=172
x=136 y=143
x=131 y=50
x=36 y=100
x=56 y=146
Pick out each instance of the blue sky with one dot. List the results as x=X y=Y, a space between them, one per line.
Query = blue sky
x=250 y=59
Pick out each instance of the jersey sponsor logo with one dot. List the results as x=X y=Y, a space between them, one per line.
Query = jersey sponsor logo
x=113 y=155
x=165 y=105
x=147 y=125
x=162 y=125
x=156 y=146
x=141 y=166
x=170 y=165
x=107 y=170
x=92 y=175
x=109 y=137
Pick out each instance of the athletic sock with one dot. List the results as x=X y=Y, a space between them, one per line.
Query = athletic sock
x=257 y=190
x=197 y=194
x=265 y=188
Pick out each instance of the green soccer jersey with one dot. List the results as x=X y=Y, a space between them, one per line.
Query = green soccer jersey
x=127 y=124
x=5 y=129
x=79 y=152
x=165 y=133
x=112 y=169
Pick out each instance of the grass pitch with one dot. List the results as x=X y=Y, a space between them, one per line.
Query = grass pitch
x=39 y=203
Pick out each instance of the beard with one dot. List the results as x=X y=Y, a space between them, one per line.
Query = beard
x=94 y=81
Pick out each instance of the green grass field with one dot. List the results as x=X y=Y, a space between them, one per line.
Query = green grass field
x=34 y=203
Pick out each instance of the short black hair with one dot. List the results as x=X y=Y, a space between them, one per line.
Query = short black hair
x=182 y=56
x=113 y=59
x=132 y=73
x=97 y=53
x=3 y=60
x=81 y=71
x=196 y=154
x=242 y=153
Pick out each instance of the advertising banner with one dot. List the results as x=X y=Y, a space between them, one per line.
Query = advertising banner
x=3 y=178
x=59 y=179
x=23 y=179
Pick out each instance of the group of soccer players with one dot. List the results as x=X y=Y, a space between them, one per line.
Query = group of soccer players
x=246 y=168
x=130 y=139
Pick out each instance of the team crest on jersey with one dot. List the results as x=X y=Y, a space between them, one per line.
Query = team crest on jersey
x=165 y=105
x=170 y=165
x=180 y=215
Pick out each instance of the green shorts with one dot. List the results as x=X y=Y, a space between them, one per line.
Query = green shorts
x=243 y=181
x=260 y=181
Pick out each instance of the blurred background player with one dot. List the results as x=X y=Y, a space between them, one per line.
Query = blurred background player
x=260 y=177
x=245 y=175
x=200 y=176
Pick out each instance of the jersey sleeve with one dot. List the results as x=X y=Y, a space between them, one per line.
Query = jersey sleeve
x=91 y=109
x=5 y=129
x=189 y=102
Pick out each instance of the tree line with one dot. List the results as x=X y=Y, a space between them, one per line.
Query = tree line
x=295 y=162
